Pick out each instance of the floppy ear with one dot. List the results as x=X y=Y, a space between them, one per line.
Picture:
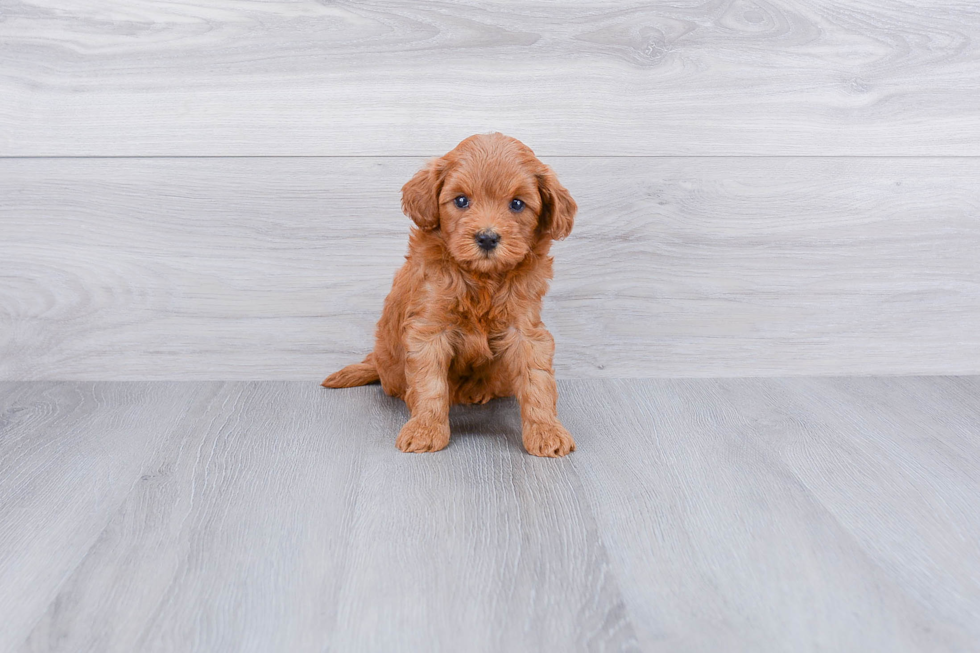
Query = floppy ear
x=420 y=196
x=557 y=207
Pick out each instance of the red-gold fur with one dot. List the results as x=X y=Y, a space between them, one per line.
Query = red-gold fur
x=462 y=325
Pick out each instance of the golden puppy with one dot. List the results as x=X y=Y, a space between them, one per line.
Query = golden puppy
x=462 y=323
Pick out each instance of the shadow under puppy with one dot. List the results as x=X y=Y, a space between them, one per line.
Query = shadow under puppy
x=462 y=323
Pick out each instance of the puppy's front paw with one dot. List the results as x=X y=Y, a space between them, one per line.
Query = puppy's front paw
x=417 y=436
x=550 y=440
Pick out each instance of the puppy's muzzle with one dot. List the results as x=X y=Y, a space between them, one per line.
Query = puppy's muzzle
x=487 y=240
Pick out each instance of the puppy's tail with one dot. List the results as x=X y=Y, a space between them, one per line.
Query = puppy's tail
x=353 y=375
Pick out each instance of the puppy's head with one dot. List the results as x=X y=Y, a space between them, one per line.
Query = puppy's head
x=492 y=200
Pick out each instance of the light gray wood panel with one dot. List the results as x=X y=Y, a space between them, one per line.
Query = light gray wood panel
x=234 y=538
x=696 y=515
x=399 y=77
x=803 y=515
x=69 y=456
x=286 y=520
x=277 y=268
x=483 y=549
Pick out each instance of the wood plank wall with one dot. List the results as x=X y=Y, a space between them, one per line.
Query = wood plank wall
x=766 y=188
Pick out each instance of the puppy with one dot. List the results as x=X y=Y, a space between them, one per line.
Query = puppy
x=462 y=323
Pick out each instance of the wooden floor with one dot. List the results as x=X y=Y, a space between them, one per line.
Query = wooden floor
x=697 y=515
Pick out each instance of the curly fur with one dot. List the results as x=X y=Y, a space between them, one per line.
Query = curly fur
x=462 y=325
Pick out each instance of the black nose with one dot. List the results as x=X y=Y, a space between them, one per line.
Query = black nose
x=487 y=240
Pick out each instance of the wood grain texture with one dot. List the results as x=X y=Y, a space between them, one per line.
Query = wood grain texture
x=724 y=77
x=69 y=456
x=277 y=268
x=697 y=515
x=803 y=514
x=286 y=520
x=484 y=549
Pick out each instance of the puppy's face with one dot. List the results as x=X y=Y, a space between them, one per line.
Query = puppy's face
x=488 y=209
x=492 y=200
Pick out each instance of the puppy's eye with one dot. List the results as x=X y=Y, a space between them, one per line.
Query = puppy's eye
x=461 y=202
x=516 y=205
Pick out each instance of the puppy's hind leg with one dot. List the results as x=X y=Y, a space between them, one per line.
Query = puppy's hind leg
x=362 y=373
